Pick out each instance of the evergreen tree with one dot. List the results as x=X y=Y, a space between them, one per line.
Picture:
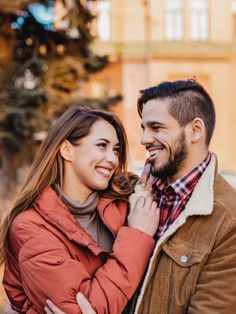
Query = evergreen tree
x=48 y=59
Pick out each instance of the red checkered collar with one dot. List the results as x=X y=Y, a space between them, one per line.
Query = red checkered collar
x=184 y=185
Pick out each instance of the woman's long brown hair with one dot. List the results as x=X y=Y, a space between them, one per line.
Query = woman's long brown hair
x=47 y=167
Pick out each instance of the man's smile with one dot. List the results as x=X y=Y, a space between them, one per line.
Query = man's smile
x=154 y=150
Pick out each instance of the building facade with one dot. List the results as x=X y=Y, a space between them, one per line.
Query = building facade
x=150 y=41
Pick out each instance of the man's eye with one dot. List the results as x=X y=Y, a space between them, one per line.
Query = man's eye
x=156 y=128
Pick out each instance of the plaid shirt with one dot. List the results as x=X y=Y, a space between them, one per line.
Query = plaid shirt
x=173 y=198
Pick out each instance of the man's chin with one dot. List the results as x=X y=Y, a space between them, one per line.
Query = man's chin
x=159 y=171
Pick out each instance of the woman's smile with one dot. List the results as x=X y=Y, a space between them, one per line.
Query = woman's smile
x=105 y=172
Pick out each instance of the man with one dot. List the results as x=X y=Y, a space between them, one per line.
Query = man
x=193 y=267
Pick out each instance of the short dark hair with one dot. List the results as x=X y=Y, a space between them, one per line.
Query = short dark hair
x=189 y=100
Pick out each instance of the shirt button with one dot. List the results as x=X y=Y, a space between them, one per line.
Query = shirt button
x=184 y=258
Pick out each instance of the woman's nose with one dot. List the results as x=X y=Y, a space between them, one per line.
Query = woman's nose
x=112 y=157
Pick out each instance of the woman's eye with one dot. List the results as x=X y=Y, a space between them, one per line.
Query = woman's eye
x=102 y=145
x=117 y=150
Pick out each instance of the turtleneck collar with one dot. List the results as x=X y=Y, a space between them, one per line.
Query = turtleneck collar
x=89 y=207
x=87 y=216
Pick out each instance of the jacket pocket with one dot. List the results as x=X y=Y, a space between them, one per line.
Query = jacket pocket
x=184 y=260
x=183 y=253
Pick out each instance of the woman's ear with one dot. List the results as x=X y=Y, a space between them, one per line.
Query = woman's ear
x=198 y=130
x=66 y=150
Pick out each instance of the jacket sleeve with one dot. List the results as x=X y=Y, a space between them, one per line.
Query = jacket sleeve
x=215 y=291
x=50 y=272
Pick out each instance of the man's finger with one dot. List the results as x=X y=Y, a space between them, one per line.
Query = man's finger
x=84 y=304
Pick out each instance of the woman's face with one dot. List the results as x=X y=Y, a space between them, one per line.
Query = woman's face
x=95 y=158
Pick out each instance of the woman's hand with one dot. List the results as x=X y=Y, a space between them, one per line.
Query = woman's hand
x=146 y=179
x=8 y=309
x=145 y=215
x=51 y=308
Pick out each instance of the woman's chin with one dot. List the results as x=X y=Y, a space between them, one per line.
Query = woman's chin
x=99 y=186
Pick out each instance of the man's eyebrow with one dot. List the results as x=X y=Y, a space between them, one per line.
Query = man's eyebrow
x=152 y=123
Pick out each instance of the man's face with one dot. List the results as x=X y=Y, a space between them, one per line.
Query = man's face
x=164 y=138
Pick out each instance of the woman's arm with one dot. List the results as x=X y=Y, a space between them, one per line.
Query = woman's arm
x=48 y=271
x=52 y=273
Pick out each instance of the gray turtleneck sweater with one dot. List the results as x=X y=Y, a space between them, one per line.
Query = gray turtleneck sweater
x=87 y=216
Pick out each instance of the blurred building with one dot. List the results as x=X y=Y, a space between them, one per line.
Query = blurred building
x=154 y=40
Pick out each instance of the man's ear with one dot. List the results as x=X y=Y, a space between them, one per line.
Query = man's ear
x=198 y=130
x=66 y=150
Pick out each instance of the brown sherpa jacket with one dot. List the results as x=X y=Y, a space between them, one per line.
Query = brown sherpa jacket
x=193 y=267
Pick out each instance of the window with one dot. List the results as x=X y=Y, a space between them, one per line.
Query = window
x=174 y=20
x=233 y=4
x=198 y=19
x=102 y=26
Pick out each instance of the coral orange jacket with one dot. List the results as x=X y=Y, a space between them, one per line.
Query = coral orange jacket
x=52 y=256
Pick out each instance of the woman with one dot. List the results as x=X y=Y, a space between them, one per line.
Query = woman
x=66 y=233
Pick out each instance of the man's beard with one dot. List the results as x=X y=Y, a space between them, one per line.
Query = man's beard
x=175 y=161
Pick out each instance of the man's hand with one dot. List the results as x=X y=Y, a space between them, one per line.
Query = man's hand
x=83 y=303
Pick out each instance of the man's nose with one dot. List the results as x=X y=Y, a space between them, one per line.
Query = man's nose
x=146 y=138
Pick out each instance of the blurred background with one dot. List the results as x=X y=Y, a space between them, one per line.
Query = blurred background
x=62 y=53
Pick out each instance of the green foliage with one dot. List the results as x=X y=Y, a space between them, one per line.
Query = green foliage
x=44 y=67
x=18 y=105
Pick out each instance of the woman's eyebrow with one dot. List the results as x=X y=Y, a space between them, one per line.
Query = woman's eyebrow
x=107 y=141
x=103 y=139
